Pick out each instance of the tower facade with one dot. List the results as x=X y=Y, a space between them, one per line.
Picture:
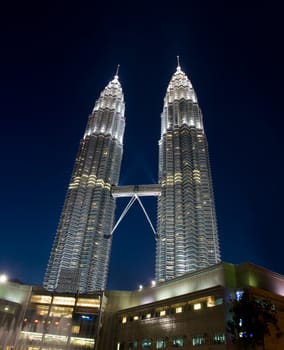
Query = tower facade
x=187 y=238
x=79 y=257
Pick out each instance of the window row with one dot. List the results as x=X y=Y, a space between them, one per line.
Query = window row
x=59 y=300
x=177 y=342
x=177 y=309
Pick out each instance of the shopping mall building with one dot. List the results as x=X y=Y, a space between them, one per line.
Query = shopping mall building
x=190 y=312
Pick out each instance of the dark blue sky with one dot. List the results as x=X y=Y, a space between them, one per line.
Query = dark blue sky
x=56 y=58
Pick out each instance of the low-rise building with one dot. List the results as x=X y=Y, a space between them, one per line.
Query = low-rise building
x=189 y=312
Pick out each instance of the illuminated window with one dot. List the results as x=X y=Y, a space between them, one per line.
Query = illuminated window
x=162 y=313
x=135 y=318
x=31 y=335
x=178 y=342
x=160 y=344
x=197 y=306
x=148 y=315
x=84 y=343
x=124 y=319
x=75 y=329
x=178 y=310
x=146 y=343
x=61 y=311
x=87 y=302
x=219 y=338
x=59 y=339
x=63 y=301
x=41 y=299
x=210 y=302
x=42 y=310
x=198 y=340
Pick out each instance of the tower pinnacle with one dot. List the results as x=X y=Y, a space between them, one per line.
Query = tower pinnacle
x=178 y=63
x=116 y=73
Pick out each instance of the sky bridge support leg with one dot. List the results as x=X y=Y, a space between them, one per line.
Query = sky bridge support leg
x=128 y=206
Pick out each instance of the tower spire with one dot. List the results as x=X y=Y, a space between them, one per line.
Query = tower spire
x=178 y=64
x=117 y=70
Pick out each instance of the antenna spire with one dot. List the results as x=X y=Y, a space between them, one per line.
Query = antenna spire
x=117 y=70
x=178 y=65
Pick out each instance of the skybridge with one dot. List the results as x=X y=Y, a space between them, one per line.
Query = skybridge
x=138 y=190
x=134 y=192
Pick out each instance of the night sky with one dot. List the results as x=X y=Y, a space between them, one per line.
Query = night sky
x=56 y=59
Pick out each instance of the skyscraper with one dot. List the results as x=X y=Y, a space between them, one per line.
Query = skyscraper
x=187 y=238
x=79 y=257
x=187 y=230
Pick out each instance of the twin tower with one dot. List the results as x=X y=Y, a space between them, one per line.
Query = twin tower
x=186 y=238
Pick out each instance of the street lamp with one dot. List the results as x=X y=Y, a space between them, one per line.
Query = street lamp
x=3 y=278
